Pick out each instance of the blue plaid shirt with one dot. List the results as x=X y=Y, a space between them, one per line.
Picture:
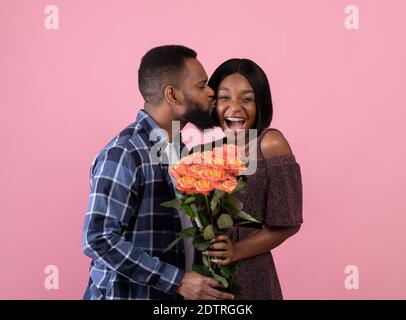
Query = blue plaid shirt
x=125 y=228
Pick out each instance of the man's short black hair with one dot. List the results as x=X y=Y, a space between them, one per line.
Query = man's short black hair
x=160 y=67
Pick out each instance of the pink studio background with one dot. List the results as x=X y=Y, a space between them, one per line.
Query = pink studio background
x=339 y=98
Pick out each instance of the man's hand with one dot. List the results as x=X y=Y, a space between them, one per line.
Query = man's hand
x=223 y=250
x=197 y=287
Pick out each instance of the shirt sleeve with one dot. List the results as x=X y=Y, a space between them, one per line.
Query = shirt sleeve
x=115 y=187
x=285 y=193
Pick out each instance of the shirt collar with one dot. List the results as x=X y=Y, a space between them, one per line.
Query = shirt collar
x=149 y=125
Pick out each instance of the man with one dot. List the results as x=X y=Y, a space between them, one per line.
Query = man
x=126 y=229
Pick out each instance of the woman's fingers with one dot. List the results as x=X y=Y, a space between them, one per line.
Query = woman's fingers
x=221 y=237
x=221 y=262
x=219 y=254
x=222 y=250
x=220 y=245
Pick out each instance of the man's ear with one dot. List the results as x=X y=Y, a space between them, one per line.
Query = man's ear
x=173 y=95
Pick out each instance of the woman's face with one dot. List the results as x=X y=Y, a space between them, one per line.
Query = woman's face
x=235 y=106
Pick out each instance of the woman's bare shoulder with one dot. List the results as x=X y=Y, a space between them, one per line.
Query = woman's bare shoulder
x=274 y=144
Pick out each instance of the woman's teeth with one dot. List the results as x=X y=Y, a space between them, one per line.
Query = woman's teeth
x=235 y=123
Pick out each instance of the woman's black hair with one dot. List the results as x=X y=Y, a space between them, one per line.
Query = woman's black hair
x=259 y=82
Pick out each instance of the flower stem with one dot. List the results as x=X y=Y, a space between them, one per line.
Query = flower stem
x=207 y=204
x=211 y=219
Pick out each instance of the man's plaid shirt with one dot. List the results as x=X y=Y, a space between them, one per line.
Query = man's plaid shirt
x=125 y=228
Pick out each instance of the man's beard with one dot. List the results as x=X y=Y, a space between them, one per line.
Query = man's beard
x=197 y=116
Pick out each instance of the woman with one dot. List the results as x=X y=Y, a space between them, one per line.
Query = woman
x=273 y=193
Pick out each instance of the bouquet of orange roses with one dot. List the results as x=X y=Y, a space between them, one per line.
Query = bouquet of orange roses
x=207 y=184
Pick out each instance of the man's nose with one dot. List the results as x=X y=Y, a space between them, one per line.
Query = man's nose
x=211 y=92
x=212 y=99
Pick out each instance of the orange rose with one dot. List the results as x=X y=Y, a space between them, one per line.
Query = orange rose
x=218 y=156
x=227 y=185
x=232 y=154
x=235 y=168
x=195 y=171
x=203 y=186
x=232 y=149
x=209 y=170
x=186 y=185
x=194 y=158
x=178 y=170
x=207 y=158
x=213 y=174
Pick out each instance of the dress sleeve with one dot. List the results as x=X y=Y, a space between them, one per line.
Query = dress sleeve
x=285 y=192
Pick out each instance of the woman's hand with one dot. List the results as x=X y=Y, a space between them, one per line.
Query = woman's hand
x=224 y=251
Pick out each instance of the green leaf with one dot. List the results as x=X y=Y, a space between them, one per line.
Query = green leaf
x=189 y=200
x=204 y=219
x=200 y=244
x=172 y=244
x=225 y=221
x=229 y=271
x=206 y=262
x=216 y=211
x=218 y=194
x=246 y=216
x=202 y=207
x=179 y=195
x=208 y=232
x=220 y=278
x=233 y=203
x=175 y=203
x=235 y=288
x=240 y=222
x=200 y=200
x=200 y=269
x=187 y=233
x=187 y=209
x=194 y=209
x=240 y=184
